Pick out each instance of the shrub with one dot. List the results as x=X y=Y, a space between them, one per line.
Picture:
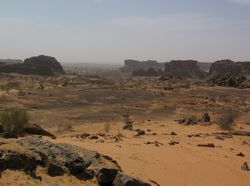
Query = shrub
x=227 y=120
x=14 y=121
x=107 y=127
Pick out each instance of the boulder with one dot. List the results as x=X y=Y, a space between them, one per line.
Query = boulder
x=17 y=161
x=105 y=176
x=245 y=167
x=228 y=80
x=61 y=158
x=37 y=130
x=125 y=180
x=206 y=118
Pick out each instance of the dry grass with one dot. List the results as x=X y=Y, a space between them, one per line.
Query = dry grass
x=14 y=121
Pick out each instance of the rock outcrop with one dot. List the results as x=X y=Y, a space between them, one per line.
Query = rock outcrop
x=40 y=65
x=61 y=158
x=227 y=73
x=245 y=67
x=185 y=69
x=131 y=66
x=223 y=67
x=147 y=73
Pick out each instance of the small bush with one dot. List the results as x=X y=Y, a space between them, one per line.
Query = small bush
x=107 y=127
x=227 y=120
x=14 y=121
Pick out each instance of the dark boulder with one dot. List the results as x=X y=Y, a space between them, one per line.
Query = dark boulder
x=105 y=176
x=205 y=118
x=54 y=168
x=125 y=180
x=37 y=130
x=61 y=158
x=228 y=80
x=245 y=167
x=17 y=161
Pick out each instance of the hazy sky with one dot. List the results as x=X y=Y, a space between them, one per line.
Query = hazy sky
x=110 y=31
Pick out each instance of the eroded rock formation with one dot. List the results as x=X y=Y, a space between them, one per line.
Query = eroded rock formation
x=223 y=67
x=60 y=159
x=131 y=66
x=184 y=68
x=40 y=65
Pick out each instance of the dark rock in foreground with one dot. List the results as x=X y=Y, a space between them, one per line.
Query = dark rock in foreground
x=107 y=177
x=125 y=180
x=60 y=158
x=37 y=130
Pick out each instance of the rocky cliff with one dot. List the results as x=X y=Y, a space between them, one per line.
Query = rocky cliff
x=223 y=67
x=184 y=68
x=245 y=67
x=40 y=65
x=131 y=66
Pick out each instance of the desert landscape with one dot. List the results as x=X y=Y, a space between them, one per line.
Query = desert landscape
x=124 y=93
x=166 y=130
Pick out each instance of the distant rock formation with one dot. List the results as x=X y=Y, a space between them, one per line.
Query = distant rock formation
x=147 y=73
x=10 y=61
x=245 y=67
x=228 y=73
x=223 y=67
x=40 y=65
x=131 y=66
x=184 y=68
x=205 y=66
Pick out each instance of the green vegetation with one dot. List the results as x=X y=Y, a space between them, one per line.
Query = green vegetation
x=14 y=121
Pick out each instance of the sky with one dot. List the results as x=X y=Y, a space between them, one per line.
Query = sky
x=110 y=31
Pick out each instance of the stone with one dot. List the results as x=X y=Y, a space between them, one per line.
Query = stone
x=206 y=118
x=17 y=161
x=54 y=168
x=61 y=158
x=106 y=176
x=245 y=167
x=206 y=145
x=172 y=142
x=173 y=134
x=124 y=180
x=140 y=133
x=226 y=73
x=37 y=130
x=241 y=154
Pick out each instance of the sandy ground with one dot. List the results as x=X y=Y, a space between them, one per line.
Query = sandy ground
x=89 y=104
